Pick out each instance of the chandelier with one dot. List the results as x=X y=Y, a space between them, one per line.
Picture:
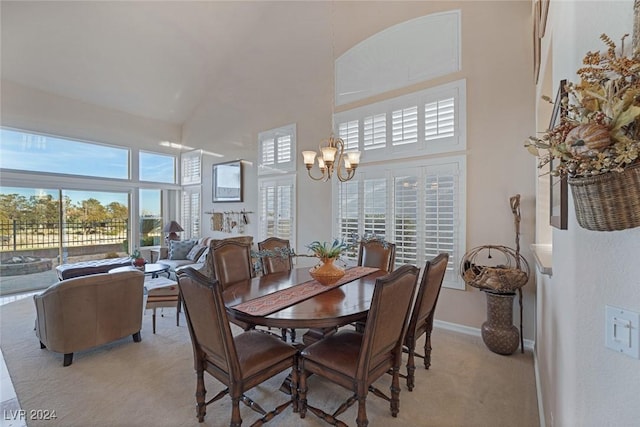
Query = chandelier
x=332 y=157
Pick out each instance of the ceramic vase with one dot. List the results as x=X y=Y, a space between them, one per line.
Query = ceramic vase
x=498 y=332
x=327 y=273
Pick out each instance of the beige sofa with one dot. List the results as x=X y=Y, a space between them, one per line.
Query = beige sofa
x=84 y=312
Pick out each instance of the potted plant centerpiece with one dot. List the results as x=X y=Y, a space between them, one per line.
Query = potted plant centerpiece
x=327 y=272
x=137 y=259
x=596 y=143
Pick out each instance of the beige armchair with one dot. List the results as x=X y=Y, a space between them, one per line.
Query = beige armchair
x=84 y=312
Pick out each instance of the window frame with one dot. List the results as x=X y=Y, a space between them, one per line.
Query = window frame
x=277 y=167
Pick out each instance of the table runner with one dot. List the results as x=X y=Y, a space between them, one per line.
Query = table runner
x=271 y=303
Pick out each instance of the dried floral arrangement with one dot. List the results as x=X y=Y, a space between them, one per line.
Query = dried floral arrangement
x=600 y=130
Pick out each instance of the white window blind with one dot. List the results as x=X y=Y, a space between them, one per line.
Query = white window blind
x=439 y=119
x=421 y=123
x=191 y=213
x=418 y=205
x=375 y=132
x=349 y=133
x=268 y=152
x=277 y=149
x=375 y=207
x=276 y=208
x=404 y=124
x=191 y=167
x=405 y=220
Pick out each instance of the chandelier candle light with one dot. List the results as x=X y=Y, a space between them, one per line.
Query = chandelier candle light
x=332 y=155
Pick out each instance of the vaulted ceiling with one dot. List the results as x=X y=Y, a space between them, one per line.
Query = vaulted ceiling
x=162 y=59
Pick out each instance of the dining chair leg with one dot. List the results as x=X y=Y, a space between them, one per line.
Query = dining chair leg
x=411 y=367
x=395 y=393
x=295 y=379
x=201 y=406
x=153 y=320
x=302 y=393
x=236 y=420
x=361 y=419
x=427 y=350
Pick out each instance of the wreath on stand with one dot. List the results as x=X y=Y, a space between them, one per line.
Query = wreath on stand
x=505 y=275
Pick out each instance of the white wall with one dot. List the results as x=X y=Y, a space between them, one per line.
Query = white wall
x=582 y=382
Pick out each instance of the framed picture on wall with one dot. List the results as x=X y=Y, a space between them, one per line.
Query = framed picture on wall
x=558 y=187
x=227 y=182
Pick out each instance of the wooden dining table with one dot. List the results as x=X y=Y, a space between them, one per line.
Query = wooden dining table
x=321 y=314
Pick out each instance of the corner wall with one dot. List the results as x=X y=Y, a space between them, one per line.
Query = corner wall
x=582 y=382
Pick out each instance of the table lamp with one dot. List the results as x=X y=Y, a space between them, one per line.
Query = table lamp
x=172 y=228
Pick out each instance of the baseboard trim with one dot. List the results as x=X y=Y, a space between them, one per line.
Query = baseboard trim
x=539 y=390
x=455 y=327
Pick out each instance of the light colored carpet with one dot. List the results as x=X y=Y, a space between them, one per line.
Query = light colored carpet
x=152 y=383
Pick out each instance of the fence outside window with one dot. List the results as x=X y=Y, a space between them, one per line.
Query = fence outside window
x=20 y=235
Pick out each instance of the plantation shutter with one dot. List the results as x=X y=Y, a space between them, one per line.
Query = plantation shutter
x=439 y=119
x=268 y=152
x=375 y=207
x=404 y=126
x=375 y=132
x=191 y=213
x=191 y=167
x=284 y=149
x=349 y=132
x=348 y=208
x=276 y=213
x=405 y=205
x=442 y=214
x=276 y=150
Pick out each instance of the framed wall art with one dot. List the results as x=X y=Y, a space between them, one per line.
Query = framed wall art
x=558 y=187
x=227 y=182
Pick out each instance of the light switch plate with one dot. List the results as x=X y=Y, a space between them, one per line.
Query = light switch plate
x=622 y=331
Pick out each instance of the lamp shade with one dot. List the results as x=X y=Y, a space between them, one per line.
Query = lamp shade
x=172 y=227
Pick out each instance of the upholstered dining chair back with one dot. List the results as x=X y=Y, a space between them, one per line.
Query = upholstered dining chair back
x=421 y=321
x=280 y=257
x=231 y=262
x=216 y=349
x=387 y=321
x=356 y=360
x=377 y=253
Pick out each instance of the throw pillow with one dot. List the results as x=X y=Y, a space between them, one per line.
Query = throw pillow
x=203 y=256
x=178 y=249
x=195 y=252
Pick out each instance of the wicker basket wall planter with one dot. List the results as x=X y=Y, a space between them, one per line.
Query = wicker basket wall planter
x=608 y=202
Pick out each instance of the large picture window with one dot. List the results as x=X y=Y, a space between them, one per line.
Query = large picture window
x=43 y=153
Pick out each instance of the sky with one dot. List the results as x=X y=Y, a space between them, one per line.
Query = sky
x=39 y=153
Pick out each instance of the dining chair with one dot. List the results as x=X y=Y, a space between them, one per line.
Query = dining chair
x=280 y=257
x=239 y=362
x=377 y=253
x=231 y=262
x=356 y=360
x=277 y=261
x=421 y=321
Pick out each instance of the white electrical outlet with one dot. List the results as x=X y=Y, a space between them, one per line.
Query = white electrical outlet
x=622 y=331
